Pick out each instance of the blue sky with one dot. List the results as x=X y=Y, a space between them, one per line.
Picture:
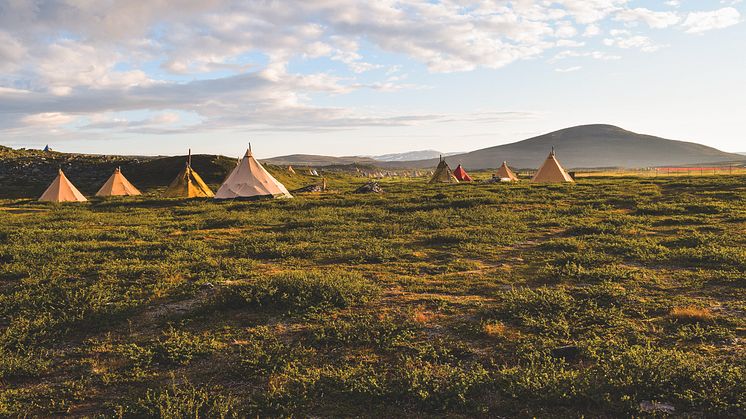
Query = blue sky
x=361 y=78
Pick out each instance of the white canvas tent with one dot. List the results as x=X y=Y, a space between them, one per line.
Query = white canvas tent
x=249 y=179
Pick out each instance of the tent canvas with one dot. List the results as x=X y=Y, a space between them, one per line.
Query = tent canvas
x=188 y=184
x=551 y=171
x=504 y=172
x=461 y=174
x=62 y=190
x=443 y=174
x=249 y=179
x=117 y=185
x=291 y=170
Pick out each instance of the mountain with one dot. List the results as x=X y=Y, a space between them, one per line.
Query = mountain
x=412 y=155
x=314 y=160
x=587 y=146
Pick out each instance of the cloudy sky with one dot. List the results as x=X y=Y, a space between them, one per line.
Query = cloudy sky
x=344 y=77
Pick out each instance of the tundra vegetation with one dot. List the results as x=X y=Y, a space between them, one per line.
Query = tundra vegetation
x=512 y=300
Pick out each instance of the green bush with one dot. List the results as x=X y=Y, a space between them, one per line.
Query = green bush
x=384 y=332
x=180 y=348
x=182 y=400
x=300 y=291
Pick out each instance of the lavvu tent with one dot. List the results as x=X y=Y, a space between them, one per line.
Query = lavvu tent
x=249 y=179
x=504 y=172
x=188 y=184
x=62 y=190
x=461 y=174
x=117 y=185
x=551 y=171
x=443 y=173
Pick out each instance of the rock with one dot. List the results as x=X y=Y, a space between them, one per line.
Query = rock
x=656 y=407
x=370 y=187
x=569 y=353
x=310 y=188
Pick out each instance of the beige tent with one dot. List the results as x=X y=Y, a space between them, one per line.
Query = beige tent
x=249 y=179
x=504 y=172
x=443 y=174
x=291 y=170
x=188 y=184
x=61 y=190
x=551 y=171
x=117 y=185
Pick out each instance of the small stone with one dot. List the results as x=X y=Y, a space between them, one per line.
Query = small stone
x=656 y=407
x=370 y=187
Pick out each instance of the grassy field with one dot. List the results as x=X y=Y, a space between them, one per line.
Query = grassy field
x=511 y=300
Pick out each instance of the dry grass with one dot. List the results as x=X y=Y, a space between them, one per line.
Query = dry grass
x=494 y=330
x=691 y=314
x=422 y=316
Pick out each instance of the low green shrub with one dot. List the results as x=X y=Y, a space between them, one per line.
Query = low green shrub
x=301 y=291
x=181 y=400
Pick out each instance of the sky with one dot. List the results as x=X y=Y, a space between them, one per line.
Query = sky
x=348 y=77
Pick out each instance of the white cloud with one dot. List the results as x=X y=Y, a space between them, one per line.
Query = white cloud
x=569 y=43
x=698 y=22
x=565 y=30
x=592 y=30
x=11 y=52
x=597 y=55
x=657 y=20
x=590 y=11
x=643 y=43
x=48 y=118
x=235 y=63
x=568 y=69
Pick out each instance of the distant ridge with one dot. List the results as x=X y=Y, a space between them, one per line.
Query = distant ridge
x=315 y=160
x=412 y=155
x=587 y=146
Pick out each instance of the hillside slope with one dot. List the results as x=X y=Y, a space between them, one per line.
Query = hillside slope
x=27 y=173
x=316 y=160
x=587 y=146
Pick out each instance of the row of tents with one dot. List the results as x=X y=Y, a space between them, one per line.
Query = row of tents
x=549 y=172
x=249 y=179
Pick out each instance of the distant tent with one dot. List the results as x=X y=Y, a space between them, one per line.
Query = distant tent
x=504 y=172
x=461 y=174
x=61 y=190
x=117 y=185
x=443 y=174
x=249 y=179
x=47 y=148
x=291 y=170
x=188 y=184
x=551 y=171
x=314 y=172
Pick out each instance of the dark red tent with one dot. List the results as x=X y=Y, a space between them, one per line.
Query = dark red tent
x=461 y=174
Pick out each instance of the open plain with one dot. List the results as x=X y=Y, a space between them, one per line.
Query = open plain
x=610 y=297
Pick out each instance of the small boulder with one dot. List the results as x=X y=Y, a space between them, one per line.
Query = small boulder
x=656 y=407
x=370 y=187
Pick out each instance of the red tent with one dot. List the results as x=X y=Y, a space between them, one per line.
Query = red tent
x=461 y=174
